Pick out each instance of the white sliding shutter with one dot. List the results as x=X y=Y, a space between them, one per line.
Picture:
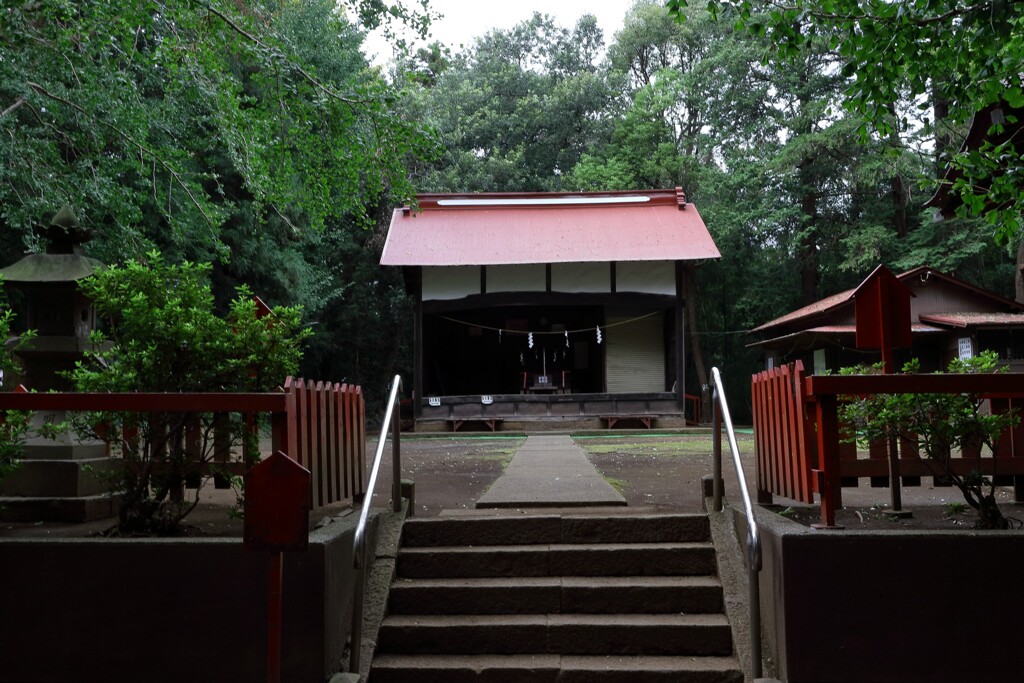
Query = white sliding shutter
x=635 y=355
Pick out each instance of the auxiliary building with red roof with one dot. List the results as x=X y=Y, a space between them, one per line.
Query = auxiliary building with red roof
x=949 y=318
x=548 y=305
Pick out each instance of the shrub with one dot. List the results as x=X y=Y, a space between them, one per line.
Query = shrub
x=163 y=335
x=13 y=423
x=941 y=424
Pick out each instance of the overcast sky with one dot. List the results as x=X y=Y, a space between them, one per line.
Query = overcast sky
x=464 y=20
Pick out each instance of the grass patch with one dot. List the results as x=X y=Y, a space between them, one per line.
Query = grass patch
x=675 y=448
x=500 y=455
x=503 y=452
x=619 y=485
x=504 y=460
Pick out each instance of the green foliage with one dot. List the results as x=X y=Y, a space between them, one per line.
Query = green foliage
x=163 y=336
x=13 y=423
x=516 y=111
x=364 y=331
x=942 y=425
x=953 y=509
x=963 y=53
x=164 y=122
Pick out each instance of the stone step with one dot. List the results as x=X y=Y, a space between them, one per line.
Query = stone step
x=566 y=598
x=574 y=594
x=599 y=559
x=553 y=669
x=537 y=529
x=564 y=634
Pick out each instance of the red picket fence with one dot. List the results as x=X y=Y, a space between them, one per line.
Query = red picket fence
x=785 y=454
x=320 y=425
x=330 y=437
x=796 y=419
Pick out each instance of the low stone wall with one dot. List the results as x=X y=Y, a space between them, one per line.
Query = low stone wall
x=171 y=609
x=856 y=606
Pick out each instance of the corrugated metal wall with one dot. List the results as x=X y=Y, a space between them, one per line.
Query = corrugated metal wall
x=635 y=354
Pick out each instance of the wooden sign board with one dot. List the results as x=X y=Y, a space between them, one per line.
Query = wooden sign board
x=277 y=505
x=882 y=311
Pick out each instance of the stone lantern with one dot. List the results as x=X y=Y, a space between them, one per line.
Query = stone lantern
x=60 y=315
x=63 y=477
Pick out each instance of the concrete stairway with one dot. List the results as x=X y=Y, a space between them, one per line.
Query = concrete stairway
x=564 y=597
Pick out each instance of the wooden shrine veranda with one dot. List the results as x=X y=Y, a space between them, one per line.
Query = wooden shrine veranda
x=609 y=410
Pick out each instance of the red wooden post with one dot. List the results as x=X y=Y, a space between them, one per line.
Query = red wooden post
x=283 y=423
x=802 y=445
x=330 y=439
x=338 y=452
x=276 y=519
x=788 y=433
x=313 y=443
x=347 y=453
x=773 y=421
x=302 y=422
x=882 y=318
x=756 y=392
x=325 y=456
x=291 y=436
x=360 y=434
x=828 y=460
x=274 y=617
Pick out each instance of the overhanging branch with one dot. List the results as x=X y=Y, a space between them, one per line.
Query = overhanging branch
x=130 y=139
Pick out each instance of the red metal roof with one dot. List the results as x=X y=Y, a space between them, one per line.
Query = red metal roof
x=975 y=319
x=915 y=328
x=516 y=228
x=820 y=306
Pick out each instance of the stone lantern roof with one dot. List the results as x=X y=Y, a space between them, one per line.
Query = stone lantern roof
x=63 y=260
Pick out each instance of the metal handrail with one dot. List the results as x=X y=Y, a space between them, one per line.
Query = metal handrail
x=721 y=412
x=359 y=548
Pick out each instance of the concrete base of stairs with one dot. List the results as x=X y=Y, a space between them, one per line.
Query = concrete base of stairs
x=550 y=471
x=551 y=668
x=732 y=572
x=378 y=585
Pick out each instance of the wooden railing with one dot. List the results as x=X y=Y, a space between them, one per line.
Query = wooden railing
x=796 y=418
x=322 y=426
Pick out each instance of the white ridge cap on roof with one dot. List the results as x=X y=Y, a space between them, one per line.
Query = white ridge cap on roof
x=543 y=201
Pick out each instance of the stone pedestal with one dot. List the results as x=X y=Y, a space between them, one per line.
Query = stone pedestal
x=60 y=479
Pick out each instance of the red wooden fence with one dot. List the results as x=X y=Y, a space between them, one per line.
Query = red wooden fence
x=785 y=456
x=322 y=426
x=796 y=418
x=330 y=438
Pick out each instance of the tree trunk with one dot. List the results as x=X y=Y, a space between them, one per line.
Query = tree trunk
x=698 y=354
x=1019 y=277
x=807 y=252
x=940 y=109
x=899 y=206
x=807 y=249
x=989 y=514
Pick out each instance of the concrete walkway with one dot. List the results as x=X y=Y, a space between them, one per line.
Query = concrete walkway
x=550 y=471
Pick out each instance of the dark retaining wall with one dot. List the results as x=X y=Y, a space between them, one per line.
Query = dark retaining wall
x=858 y=607
x=170 y=609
